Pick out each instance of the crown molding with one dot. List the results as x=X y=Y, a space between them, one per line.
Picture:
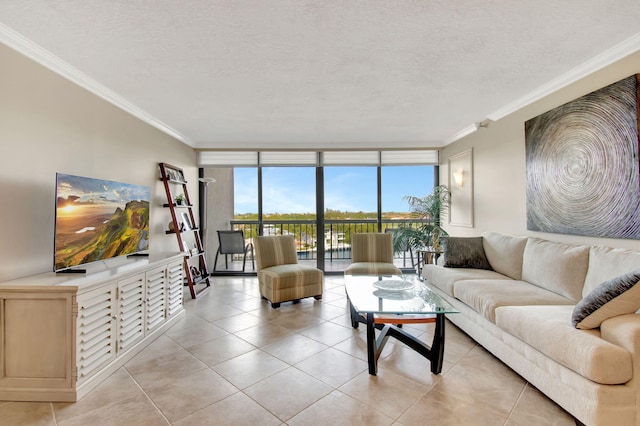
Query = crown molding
x=37 y=53
x=608 y=57
x=40 y=55
x=616 y=53
x=461 y=134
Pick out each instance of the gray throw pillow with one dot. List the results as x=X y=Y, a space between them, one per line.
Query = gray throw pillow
x=617 y=296
x=464 y=252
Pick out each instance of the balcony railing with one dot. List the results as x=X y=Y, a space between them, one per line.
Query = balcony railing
x=337 y=234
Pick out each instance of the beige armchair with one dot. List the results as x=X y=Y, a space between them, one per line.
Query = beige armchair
x=372 y=254
x=280 y=276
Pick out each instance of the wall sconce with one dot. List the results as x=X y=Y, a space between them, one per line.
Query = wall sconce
x=458 y=178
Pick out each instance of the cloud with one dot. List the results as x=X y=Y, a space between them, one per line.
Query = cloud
x=65 y=201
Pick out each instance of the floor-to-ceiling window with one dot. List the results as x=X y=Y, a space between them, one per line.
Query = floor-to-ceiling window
x=400 y=181
x=245 y=200
x=350 y=206
x=323 y=202
x=350 y=191
x=289 y=206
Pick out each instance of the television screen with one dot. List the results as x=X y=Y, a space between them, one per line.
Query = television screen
x=98 y=219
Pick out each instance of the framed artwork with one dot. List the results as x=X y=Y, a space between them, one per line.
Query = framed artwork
x=461 y=189
x=186 y=222
x=583 y=174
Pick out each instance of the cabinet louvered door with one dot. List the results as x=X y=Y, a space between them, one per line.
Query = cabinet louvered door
x=156 y=298
x=174 y=288
x=96 y=330
x=130 y=312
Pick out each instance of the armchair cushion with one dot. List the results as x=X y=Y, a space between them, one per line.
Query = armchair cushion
x=281 y=283
x=275 y=250
x=372 y=247
x=372 y=268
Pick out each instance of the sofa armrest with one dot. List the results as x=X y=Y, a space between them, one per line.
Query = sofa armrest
x=623 y=331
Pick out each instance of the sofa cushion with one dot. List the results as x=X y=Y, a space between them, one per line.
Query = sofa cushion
x=444 y=278
x=485 y=296
x=614 y=297
x=548 y=329
x=461 y=252
x=561 y=268
x=606 y=263
x=504 y=253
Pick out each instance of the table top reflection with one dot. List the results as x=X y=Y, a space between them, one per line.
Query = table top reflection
x=394 y=294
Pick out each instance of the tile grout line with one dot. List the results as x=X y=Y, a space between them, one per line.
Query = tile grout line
x=53 y=414
x=290 y=365
x=147 y=396
x=331 y=388
x=524 y=388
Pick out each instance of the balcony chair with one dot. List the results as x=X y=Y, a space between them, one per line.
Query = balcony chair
x=280 y=277
x=372 y=254
x=230 y=243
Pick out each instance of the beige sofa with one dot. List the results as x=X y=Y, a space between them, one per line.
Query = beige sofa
x=521 y=311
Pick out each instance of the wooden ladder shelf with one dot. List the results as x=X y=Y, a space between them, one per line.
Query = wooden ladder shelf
x=183 y=225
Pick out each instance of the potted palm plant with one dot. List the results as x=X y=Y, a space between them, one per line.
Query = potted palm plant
x=427 y=235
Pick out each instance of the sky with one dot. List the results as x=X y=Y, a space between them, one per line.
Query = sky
x=84 y=191
x=292 y=189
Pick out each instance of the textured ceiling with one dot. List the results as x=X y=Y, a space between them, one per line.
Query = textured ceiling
x=319 y=74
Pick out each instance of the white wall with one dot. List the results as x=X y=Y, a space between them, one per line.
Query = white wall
x=49 y=125
x=499 y=163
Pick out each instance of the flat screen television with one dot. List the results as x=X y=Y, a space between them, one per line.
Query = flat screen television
x=98 y=219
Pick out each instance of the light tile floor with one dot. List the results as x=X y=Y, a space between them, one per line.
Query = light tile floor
x=233 y=360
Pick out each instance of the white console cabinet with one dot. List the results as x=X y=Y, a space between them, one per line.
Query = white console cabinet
x=61 y=335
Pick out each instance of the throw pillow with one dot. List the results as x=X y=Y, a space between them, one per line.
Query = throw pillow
x=614 y=297
x=464 y=252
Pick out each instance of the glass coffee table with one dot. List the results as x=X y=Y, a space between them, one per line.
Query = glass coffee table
x=386 y=303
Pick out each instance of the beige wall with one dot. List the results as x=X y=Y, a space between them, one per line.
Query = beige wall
x=499 y=163
x=49 y=125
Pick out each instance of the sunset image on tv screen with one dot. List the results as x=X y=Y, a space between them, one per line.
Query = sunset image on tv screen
x=98 y=219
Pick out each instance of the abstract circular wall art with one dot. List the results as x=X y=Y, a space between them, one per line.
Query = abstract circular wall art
x=583 y=174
